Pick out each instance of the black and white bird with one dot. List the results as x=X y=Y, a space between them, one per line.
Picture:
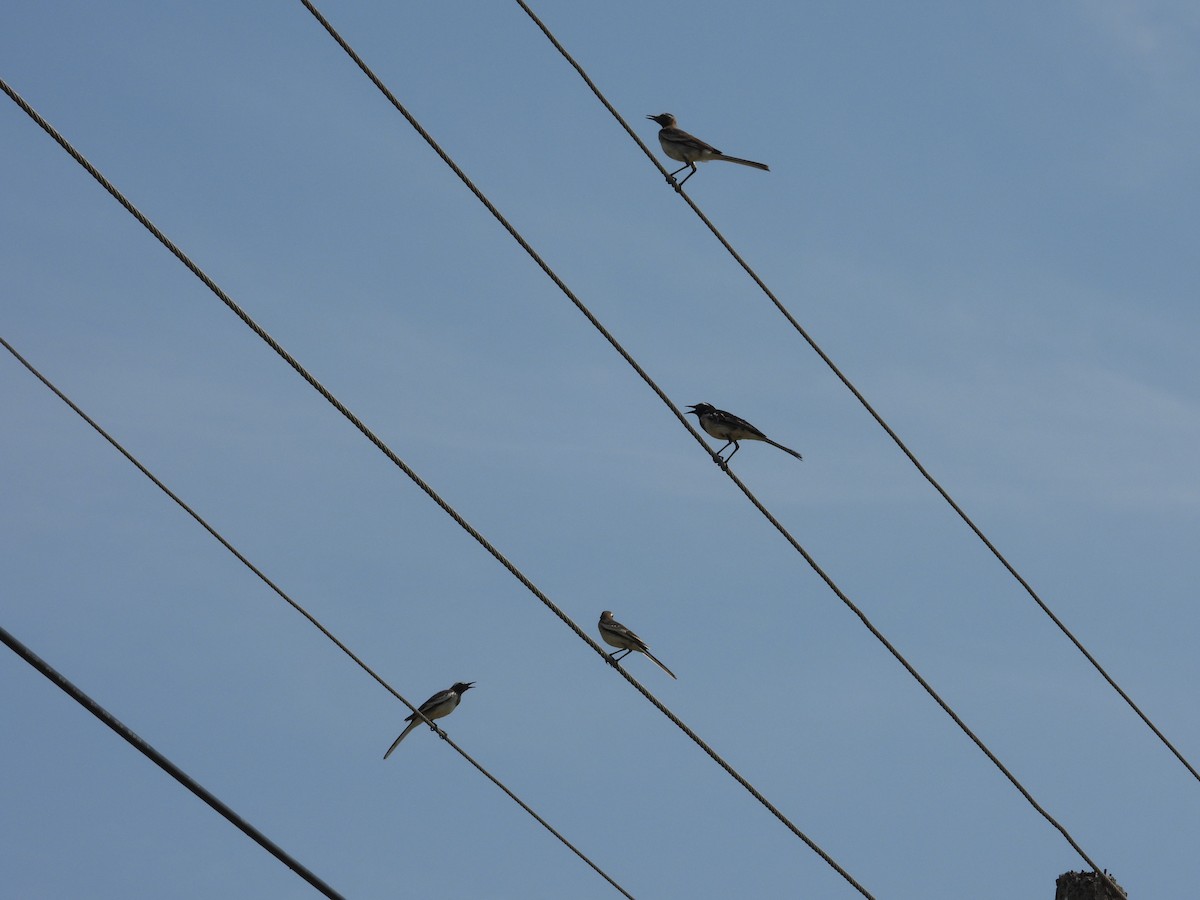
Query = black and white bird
x=617 y=635
x=731 y=429
x=440 y=704
x=689 y=149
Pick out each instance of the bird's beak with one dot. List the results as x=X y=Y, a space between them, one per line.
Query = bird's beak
x=649 y=117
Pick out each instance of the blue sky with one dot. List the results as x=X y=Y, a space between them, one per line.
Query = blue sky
x=987 y=217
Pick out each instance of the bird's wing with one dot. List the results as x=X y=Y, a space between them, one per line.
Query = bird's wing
x=436 y=700
x=625 y=634
x=681 y=138
x=739 y=423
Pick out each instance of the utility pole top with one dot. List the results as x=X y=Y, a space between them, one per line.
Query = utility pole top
x=1087 y=886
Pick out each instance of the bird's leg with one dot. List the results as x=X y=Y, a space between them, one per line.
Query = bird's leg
x=687 y=176
x=677 y=171
x=613 y=659
x=736 y=448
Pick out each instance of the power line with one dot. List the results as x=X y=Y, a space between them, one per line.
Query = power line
x=478 y=536
x=300 y=609
x=416 y=479
x=413 y=476
x=165 y=764
x=653 y=386
x=863 y=401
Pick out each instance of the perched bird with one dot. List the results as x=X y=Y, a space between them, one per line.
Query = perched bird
x=440 y=704
x=617 y=635
x=689 y=149
x=730 y=428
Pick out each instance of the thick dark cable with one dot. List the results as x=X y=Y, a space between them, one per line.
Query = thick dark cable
x=678 y=415
x=304 y=612
x=864 y=402
x=165 y=764
x=412 y=475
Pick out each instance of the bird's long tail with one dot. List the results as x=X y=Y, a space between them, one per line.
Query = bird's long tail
x=745 y=162
x=654 y=660
x=783 y=448
x=396 y=743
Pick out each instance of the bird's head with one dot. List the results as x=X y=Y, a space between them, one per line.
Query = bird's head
x=666 y=120
x=699 y=409
x=606 y=615
x=461 y=687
